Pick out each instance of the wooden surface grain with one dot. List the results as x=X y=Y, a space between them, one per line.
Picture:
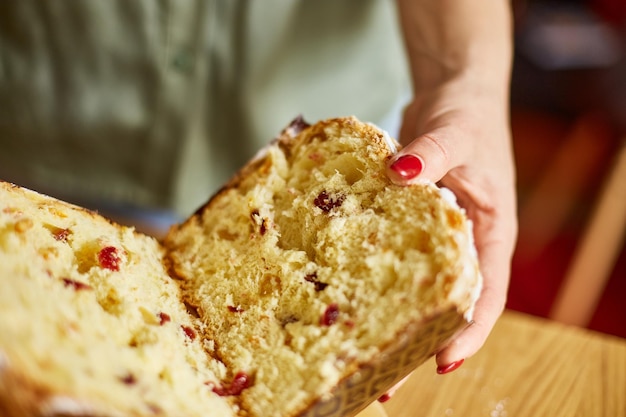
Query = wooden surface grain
x=373 y=410
x=528 y=367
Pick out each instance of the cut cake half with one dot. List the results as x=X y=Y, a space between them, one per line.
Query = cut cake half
x=320 y=280
x=91 y=324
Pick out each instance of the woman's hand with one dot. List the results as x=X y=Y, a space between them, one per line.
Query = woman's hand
x=458 y=136
x=456 y=133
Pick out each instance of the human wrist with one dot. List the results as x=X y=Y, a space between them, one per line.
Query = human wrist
x=463 y=91
x=452 y=39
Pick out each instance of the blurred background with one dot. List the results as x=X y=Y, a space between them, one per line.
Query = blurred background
x=568 y=97
x=569 y=124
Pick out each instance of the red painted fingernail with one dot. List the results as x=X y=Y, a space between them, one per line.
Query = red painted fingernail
x=408 y=166
x=444 y=369
x=384 y=398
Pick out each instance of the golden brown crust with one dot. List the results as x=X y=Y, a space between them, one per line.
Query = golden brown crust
x=60 y=205
x=19 y=397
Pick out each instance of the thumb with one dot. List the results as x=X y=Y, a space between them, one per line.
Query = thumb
x=426 y=158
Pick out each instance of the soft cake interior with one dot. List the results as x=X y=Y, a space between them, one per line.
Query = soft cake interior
x=90 y=321
x=311 y=261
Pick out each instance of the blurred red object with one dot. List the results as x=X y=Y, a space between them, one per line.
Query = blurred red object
x=561 y=164
x=611 y=11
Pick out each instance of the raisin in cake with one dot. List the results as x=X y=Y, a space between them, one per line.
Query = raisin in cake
x=313 y=274
x=90 y=321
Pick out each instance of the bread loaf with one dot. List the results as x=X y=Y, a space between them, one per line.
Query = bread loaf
x=90 y=321
x=306 y=287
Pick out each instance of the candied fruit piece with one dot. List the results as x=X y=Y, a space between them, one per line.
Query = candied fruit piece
x=129 y=379
x=312 y=278
x=330 y=316
x=189 y=332
x=297 y=125
x=164 y=318
x=316 y=156
x=326 y=203
x=59 y=234
x=108 y=258
x=237 y=385
x=76 y=285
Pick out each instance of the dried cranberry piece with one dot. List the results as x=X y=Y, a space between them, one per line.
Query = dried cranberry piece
x=298 y=124
x=77 y=285
x=129 y=379
x=326 y=203
x=237 y=385
x=109 y=259
x=163 y=318
x=315 y=156
x=263 y=227
x=330 y=316
x=189 y=332
x=295 y=127
x=319 y=286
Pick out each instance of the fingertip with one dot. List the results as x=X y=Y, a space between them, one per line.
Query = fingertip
x=387 y=396
x=405 y=168
x=445 y=369
x=449 y=355
x=462 y=347
x=384 y=398
x=466 y=344
x=425 y=158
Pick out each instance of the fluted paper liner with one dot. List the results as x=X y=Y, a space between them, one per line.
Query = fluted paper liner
x=414 y=347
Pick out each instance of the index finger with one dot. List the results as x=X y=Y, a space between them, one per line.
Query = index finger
x=495 y=231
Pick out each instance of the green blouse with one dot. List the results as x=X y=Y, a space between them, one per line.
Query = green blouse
x=155 y=103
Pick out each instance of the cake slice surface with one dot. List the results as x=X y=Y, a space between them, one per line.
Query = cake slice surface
x=91 y=324
x=319 y=281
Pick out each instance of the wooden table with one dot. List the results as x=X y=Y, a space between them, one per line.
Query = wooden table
x=528 y=367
